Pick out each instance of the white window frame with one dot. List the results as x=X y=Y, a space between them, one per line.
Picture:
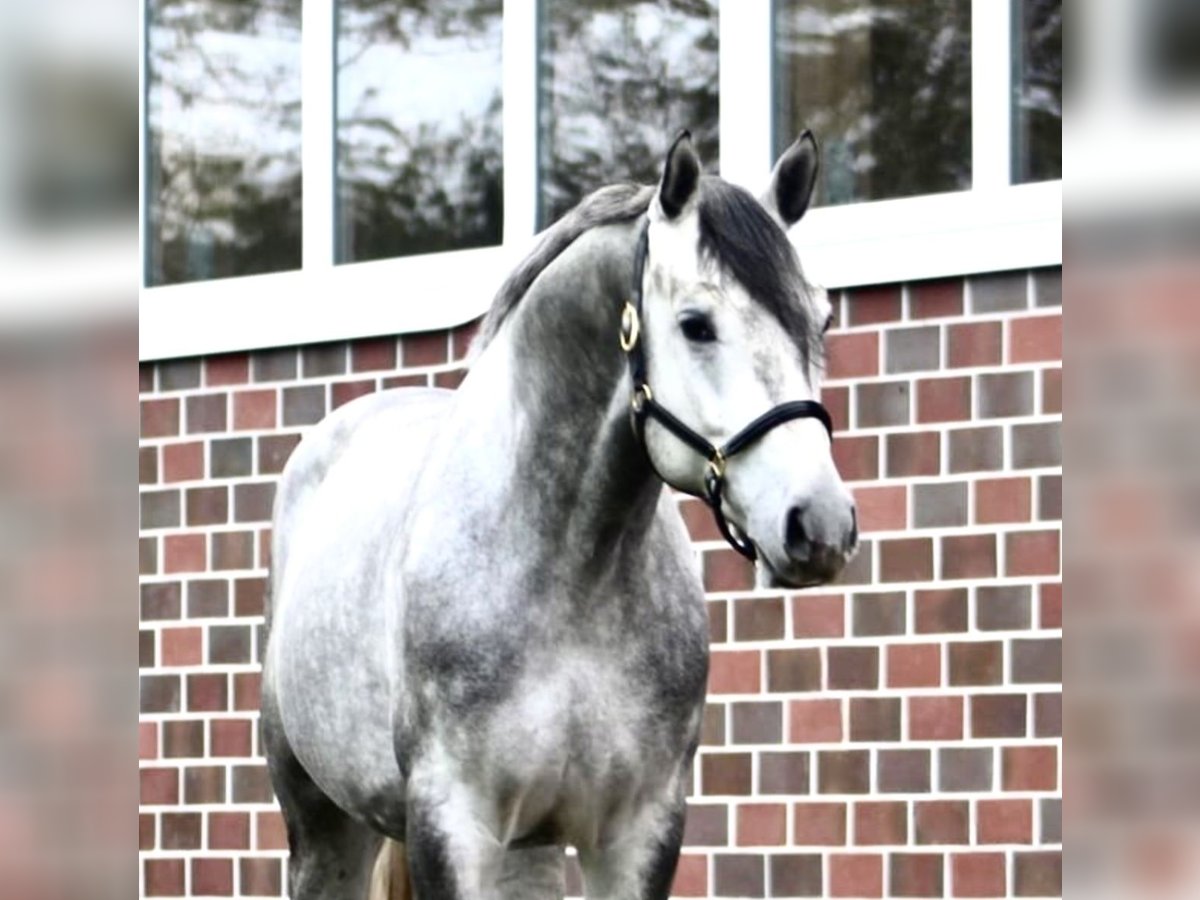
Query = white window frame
x=993 y=226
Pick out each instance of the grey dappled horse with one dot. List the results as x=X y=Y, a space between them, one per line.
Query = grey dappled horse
x=488 y=636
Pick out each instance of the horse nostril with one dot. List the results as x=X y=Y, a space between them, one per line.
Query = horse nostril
x=795 y=536
x=852 y=537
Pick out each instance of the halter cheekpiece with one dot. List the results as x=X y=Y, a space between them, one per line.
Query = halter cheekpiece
x=642 y=405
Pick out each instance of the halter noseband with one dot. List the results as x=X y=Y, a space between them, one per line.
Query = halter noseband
x=643 y=405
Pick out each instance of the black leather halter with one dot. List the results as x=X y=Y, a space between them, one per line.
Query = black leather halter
x=643 y=405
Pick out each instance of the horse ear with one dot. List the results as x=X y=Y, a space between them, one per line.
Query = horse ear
x=792 y=181
x=681 y=176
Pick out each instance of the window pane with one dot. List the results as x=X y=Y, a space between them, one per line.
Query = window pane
x=223 y=128
x=420 y=145
x=616 y=82
x=885 y=85
x=1037 y=111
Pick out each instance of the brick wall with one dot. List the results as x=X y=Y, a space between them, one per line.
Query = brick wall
x=898 y=734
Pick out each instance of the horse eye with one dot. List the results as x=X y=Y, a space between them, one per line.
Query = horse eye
x=697 y=327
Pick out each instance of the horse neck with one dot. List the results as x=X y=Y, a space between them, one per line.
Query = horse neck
x=581 y=472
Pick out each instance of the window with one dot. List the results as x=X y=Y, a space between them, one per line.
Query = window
x=613 y=81
x=342 y=168
x=223 y=122
x=420 y=153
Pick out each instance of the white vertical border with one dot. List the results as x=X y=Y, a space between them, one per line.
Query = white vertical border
x=519 y=65
x=745 y=57
x=991 y=93
x=318 y=131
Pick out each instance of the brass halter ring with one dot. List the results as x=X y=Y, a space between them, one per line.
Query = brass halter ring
x=716 y=464
x=631 y=327
x=639 y=397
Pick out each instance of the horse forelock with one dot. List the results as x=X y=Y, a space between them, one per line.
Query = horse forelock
x=740 y=236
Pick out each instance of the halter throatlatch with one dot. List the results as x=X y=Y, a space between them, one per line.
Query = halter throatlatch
x=642 y=405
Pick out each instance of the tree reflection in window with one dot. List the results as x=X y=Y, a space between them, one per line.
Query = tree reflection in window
x=1037 y=117
x=419 y=140
x=617 y=80
x=223 y=138
x=886 y=87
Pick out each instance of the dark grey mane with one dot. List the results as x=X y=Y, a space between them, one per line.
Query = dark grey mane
x=736 y=233
x=615 y=203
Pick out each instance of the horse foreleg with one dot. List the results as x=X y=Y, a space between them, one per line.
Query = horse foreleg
x=451 y=856
x=534 y=873
x=640 y=865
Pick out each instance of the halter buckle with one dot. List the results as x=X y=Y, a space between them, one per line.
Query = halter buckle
x=716 y=465
x=631 y=327
x=641 y=394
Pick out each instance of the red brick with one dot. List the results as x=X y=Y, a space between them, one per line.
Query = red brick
x=914 y=453
x=159 y=786
x=373 y=355
x=449 y=380
x=427 y=349
x=207 y=412
x=974 y=344
x=881 y=508
x=1004 y=822
x=914 y=665
x=727 y=570
x=207 y=692
x=212 y=877
x=1003 y=500
x=254 y=409
x=940 y=610
x=411 y=380
x=147 y=740
x=183 y=462
x=819 y=824
x=345 y=391
x=1030 y=768
x=941 y=821
x=247 y=690
x=691 y=876
x=976 y=662
x=163 y=877
x=855 y=875
x=935 y=718
x=856 y=458
x=943 y=399
x=1031 y=553
x=852 y=355
x=147 y=465
x=916 y=874
x=837 y=401
x=160 y=418
x=761 y=824
x=271 y=831
x=758 y=619
x=463 y=336
x=184 y=553
x=699 y=520
x=1035 y=339
x=146 y=831
x=977 y=875
x=181 y=646
x=1052 y=391
x=871 y=305
x=815 y=721
x=906 y=559
x=725 y=773
x=735 y=672
x=794 y=669
x=1050 y=606
x=818 y=615
x=228 y=831
x=936 y=299
x=229 y=368
x=1038 y=873
x=881 y=822
x=230 y=737
x=875 y=718
x=260 y=877
x=969 y=556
